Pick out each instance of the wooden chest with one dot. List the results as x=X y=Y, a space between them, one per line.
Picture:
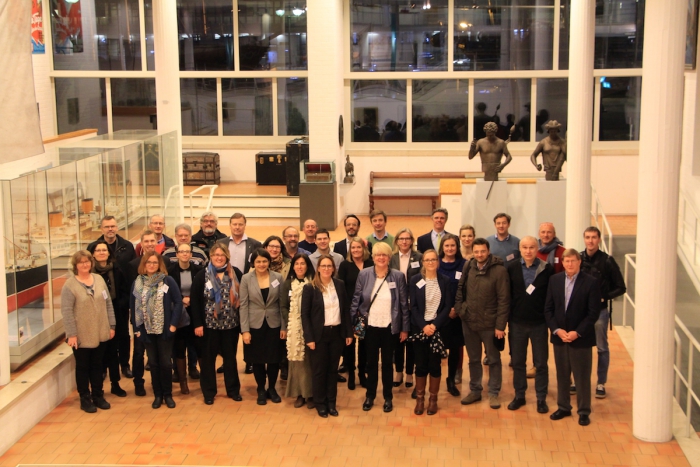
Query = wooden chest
x=201 y=168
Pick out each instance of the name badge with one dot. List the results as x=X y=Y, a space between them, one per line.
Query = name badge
x=392 y=285
x=208 y=285
x=165 y=288
x=556 y=260
x=275 y=283
x=415 y=264
x=104 y=295
x=510 y=257
x=420 y=284
x=530 y=289
x=458 y=275
x=250 y=256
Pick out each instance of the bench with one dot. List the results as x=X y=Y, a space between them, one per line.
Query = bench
x=409 y=185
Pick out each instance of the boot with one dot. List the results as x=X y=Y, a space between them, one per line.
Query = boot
x=420 y=394
x=432 y=401
x=181 y=365
x=176 y=376
x=86 y=404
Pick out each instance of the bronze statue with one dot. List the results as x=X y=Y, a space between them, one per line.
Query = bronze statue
x=553 y=150
x=491 y=149
x=349 y=171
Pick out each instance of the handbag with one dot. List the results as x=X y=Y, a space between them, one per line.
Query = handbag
x=360 y=326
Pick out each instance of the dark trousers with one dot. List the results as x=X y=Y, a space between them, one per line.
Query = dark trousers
x=454 y=357
x=121 y=337
x=324 y=366
x=137 y=364
x=379 y=340
x=160 y=359
x=402 y=349
x=473 y=341
x=267 y=373
x=538 y=335
x=182 y=338
x=212 y=343
x=570 y=360
x=359 y=346
x=88 y=369
x=427 y=361
x=124 y=345
x=110 y=360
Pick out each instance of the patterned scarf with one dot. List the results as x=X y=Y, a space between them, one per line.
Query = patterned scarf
x=295 y=334
x=107 y=273
x=434 y=341
x=149 y=302
x=214 y=294
x=550 y=249
x=277 y=263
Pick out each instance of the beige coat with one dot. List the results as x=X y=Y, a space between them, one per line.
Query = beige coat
x=88 y=317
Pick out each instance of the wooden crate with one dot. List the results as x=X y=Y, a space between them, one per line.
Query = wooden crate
x=201 y=168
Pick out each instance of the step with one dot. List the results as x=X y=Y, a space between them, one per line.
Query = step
x=246 y=202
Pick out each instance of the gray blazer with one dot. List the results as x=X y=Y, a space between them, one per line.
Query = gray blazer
x=395 y=263
x=253 y=310
x=400 y=318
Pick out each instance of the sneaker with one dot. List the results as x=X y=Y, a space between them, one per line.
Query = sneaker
x=494 y=402
x=458 y=376
x=572 y=389
x=600 y=391
x=100 y=403
x=471 y=398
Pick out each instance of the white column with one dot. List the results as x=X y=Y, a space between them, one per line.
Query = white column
x=580 y=118
x=657 y=219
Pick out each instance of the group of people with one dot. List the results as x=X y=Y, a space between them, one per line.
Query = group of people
x=300 y=306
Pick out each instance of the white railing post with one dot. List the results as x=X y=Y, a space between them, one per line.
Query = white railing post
x=211 y=188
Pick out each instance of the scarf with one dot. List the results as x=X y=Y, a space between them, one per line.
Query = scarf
x=277 y=263
x=149 y=302
x=214 y=294
x=107 y=273
x=434 y=341
x=295 y=334
x=550 y=249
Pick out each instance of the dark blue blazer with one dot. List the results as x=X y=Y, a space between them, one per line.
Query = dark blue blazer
x=172 y=307
x=582 y=312
x=417 y=300
x=425 y=242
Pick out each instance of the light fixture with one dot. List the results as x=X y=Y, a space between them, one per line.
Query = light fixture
x=463 y=25
x=279 y=12
x=297 y=11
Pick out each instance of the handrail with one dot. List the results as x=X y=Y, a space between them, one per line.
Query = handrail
x=630 y=260
x=167 y=198
x=604 y=227
x=689 y=245
x=212 y=189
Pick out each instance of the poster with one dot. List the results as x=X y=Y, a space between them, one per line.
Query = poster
x=68 y=26
x=37 y=28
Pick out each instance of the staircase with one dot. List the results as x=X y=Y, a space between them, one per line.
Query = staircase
x=260 y=210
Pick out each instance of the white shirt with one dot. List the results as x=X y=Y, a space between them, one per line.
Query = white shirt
x=437 y=238
x=238 y=251
x=380 y=311
x=331 y=306
x=404 y=261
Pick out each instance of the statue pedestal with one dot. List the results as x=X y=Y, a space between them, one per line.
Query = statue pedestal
x=551 y=205
x=485 y=209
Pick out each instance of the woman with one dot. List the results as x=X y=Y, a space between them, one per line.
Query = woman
x=183 y=273
x=381 y=297
x=214 y=303
x=262 y=325
x=356 y=260
x=299 y=377
x=325 y=319
x=156 y=306
x=279 y=262
x=88 y=317
x=407 y=260
x=451 y=265
x=467 y=234
x=118 y=289
x=431 y=302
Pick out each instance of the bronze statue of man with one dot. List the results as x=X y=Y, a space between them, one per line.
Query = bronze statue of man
x=553 y=150
x=491 y=149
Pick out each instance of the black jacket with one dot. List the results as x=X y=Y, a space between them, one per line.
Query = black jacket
x=417 y=300
x=174 y=271
x=604 y=268
x=122 y=253
x=582 y=312
x=205 y=242
x=313 y=315
x=425 y=241
x=528 y=308
x=341 y=247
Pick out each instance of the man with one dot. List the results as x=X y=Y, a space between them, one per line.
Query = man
x=483 y=303
x=163 y=242
x=491 y=149
x=309 y=243
x=323 y=243
x=183 y=236
x=208 y=232
x=240 y=246
x=553 y=150
x=432 y=239
x=604 y=268
x=290 y=235
x=571 y=310
x=550 y=247
x=503 y=244
x=352 y=227
x=378 y=220
x=529 y=279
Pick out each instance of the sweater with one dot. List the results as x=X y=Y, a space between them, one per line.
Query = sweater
x=87 y=317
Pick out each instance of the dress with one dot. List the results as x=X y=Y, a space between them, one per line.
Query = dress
x=451 y=333
x=299 y=378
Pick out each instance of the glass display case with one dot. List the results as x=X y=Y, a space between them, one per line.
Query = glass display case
x=317 y=172
x=51 y=213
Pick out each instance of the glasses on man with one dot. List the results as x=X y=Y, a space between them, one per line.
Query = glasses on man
x=291 y=236
x=185 y=252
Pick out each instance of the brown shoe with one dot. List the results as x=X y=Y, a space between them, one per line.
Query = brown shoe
x=432 y=401
x=181 y=365
x=299 y=402
x=310 y=403
x=420 y=394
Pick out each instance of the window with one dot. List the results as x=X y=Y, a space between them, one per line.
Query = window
x=552 y=104
x=247 y=106
x=379 y=110
x=620 y=104
x=440 y=110
x=81 y=104
x=198 y=100
x=133 y=104
x=505 y=102
x=292 y=106
x=619 y=33
x=206 y=34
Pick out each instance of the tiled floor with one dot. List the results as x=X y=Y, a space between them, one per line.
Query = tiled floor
x=243 y=433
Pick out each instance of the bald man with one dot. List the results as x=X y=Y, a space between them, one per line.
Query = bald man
x=550 y=247
x=309 y=243
x=157 y=225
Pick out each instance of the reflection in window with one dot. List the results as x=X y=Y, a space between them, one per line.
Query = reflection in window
x=150 y=57
x=106 y=38
x=198 y=100
x=133 y=104
x=81 y=103
x=552 y=104
x=272 y=34
x=395 y=35
x=440 y=110
x=503 y=35
x=691 y=34
x=620 y=104
x=564 y=31
x=505 y=102
x=619 y=33
x=292 y=106
x=247 y=106
x=379 y=110
x=205 y=29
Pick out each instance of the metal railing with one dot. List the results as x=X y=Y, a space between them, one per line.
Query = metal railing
x=688 y=231
x=211 y=188
x=630 y=260
x=601 y=221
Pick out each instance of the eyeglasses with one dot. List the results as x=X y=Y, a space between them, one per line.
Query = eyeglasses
x=218 y=255
x=85 y=262
x=404 y=239
x=430 y=261
x=291 y=236
x=152 y=263
x=325 y=266
x=185 y=252
x=380 y=255
x=273 y=247
x=208 y=221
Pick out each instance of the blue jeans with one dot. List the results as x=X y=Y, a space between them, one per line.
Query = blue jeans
x=601 y=339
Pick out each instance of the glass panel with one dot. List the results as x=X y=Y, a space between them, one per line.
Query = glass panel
x=510 y=101
x=440 y=110
x=150 y=53
x=90 y=199
x=620 y=104
x=619 y=33
x=171 y=181
x=152 y=166
x=504 y=34
x=96 y=35
x=395 y=35
x=292 y=106
x=133 y=104
x=376 y=101
x=552 y=104
x=247 y=106
x=81 y=103
x=564 y=31
x=272 y=34
x=691 y=34
x=205 y=29
x=199 y=106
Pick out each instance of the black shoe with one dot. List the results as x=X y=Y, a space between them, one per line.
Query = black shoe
x=342 y=379
x=388 y=406
x=332 y=411
x=396 y=384
x=363 y=379
x=342 y=368
x=367 y=404
x=101 y=403
x=220 y=370
x=452 y=388
x=559 y=414
x=274 y=397
x=284 y=374
x=485 y=361
x=584 y=420
x=140 y=390
x=194 y=372
x=157 y=402
x=117 y=390
x=351 y=381
x=236 y=396
x=516 y=404
x=176 y=377
x=104 y=375
x=322 y=412
x=126 y=371
x=169 y=402
x=409 y=384
x=413 y=394
x=262 y=397
x=248 y=370
x=572 y=389
x=86 y=404
x=542 y=407
x=147 y=367
x=209 y=401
